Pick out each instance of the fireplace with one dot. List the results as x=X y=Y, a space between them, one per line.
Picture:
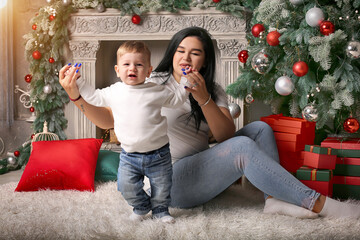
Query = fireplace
x=94 y=38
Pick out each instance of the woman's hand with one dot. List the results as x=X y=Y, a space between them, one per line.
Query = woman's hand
x=198 y=89
x=67 y=78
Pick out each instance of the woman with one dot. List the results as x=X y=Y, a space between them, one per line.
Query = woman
x=200 y=173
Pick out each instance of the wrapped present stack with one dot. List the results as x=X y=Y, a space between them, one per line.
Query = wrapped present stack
x=291 y=135
x=317 y=172
x=347 y=171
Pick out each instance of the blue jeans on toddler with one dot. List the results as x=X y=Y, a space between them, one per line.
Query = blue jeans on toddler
x=157 y=166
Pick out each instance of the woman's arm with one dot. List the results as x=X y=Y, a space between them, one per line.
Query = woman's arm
x=218 y=118
x=100 y=116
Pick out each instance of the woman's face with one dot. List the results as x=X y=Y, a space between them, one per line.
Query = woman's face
x=190 y=53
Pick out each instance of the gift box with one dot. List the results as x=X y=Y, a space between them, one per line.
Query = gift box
x=345 y=147
x=291 y=161
x=346 y=187
x=347 y=167
x=319 y=157
x=290 y=146
x=321 y=180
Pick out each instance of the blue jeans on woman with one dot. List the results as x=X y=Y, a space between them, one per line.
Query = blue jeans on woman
x=253 y=153
x=156 y=165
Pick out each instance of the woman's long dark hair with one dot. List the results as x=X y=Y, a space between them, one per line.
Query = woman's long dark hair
x=207 y=71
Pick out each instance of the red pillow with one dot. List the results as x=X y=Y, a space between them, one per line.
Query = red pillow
x=61 y=165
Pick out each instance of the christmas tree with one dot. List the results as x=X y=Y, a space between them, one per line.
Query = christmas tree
x=303 y=59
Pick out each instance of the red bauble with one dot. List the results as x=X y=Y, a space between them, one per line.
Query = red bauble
x=243 y=56
x=51 y=60
x=327 y=27
x=32 y=136
x=28 y=78
x=136 y=19
x=17 y=153
x=216 y=1
x=32 y=109
x=34 y=26
x=51 y=17
x=257 y=29
x=36 y=55
x=351 y=125
x=273 y=38
x=300 y=68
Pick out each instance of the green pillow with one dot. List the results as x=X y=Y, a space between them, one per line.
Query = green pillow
x=107 y=166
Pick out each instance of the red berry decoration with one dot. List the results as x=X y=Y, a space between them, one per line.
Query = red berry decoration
x=51 y=60
x=273 y=38
x=51 y=17
x=327 y=28
x=32 y=136
x=136 y=19
x=17 y=153
x=300 y=68
x=216 y=1
x=32 y=109
x=36 y=55
x=28 y=78
x=243 y=56
x=351 y=125
x=34 y=26
x=257 y=29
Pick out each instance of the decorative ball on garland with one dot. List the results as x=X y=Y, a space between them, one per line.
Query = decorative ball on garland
x=327 y=28
x=249 y=98
x=309 y=113
x=353 y=49
x=34 y=26
x=36 y=55
x=243 y=56
x=51 y=60
x=28 y=78
x=235 y=110
x=273 y=38
x=261 y=62
x=32 y=109
x=351 y=125
x=136 y=19
x=100 y=8
x=314 y=17
x=12 y=163
x=300 y=68
x=47 y=89
x=284 y=86
x=17 y=153
x=51 y=17
x=257 y=29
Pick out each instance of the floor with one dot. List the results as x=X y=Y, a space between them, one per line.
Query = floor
x=12 y=176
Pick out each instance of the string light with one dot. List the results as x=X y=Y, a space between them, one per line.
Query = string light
x=3 y=3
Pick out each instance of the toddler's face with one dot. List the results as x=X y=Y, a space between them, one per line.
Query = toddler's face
x=133 y=68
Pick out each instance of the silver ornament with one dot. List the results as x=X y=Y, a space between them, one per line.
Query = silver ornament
x=200 y=1
x=296 y=2
x=235 y=110
x=66 y=2
x=309 y=113
x=261 y=63
x=47 y=89
x=284 y=86
x=100 y=8
x=249 y=98
x=12 y=162
x=353 y=49
x=314 y=16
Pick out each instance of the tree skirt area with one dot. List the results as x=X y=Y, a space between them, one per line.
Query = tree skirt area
x=103 y=214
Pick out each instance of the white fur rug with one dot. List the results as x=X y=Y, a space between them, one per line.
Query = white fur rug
x=235 y=214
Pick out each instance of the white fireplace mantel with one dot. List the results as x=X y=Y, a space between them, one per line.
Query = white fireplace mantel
x=88 y=28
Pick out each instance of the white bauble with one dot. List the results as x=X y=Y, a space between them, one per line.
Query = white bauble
x=314 y=16
x=353 y=49
x=284 y=86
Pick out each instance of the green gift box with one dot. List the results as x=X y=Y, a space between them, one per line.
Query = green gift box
x=344 y=147
x=346 y=187
x=320 y=150
x=314 y=174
